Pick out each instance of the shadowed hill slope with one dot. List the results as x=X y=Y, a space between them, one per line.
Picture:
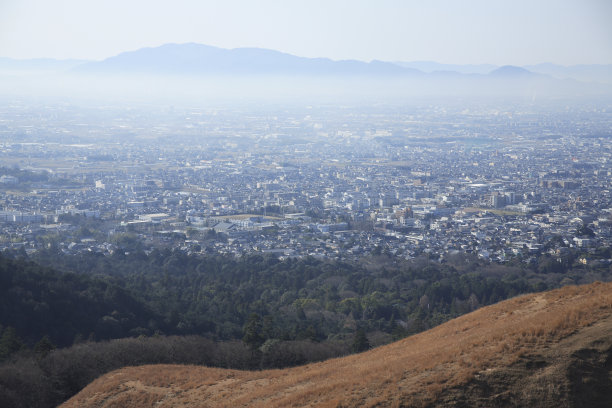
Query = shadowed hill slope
x=551 y=349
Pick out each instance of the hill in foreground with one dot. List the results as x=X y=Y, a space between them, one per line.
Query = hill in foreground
x=551 y=349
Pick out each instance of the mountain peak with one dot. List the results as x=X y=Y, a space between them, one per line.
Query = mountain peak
x=512 y=71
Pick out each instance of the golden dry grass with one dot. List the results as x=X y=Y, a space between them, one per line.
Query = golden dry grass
x=412 y=372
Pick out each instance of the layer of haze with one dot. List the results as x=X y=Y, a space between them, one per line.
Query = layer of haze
x=517 y=32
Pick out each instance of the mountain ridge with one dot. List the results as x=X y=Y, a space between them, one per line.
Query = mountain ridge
x=512 y=71
x=195 y=58
x=200 y=59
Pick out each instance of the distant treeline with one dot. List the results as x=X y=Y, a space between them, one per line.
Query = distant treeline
x=25 y=175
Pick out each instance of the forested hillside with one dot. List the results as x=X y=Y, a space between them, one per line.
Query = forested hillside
x=249 y=312
x=94 y=297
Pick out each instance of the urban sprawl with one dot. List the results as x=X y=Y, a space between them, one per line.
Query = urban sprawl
x=329 y=182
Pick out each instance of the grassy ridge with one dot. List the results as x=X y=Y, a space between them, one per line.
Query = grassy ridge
x=416 y=371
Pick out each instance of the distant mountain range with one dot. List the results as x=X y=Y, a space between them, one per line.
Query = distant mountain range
x=588 y=73
x=197 y=60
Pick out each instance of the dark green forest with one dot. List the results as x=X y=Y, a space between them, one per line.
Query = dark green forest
x=251 y=312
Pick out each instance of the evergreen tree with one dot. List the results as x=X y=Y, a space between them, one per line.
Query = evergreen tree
x=43 y=347
x=252 y=332
x=9 y=343
x=360 y=341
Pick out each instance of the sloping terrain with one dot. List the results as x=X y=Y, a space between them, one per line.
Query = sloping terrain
x=551 y=349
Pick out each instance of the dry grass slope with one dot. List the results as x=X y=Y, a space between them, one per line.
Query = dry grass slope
x=517 y=352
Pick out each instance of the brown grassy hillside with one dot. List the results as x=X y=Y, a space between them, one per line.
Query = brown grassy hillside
x=551 y=349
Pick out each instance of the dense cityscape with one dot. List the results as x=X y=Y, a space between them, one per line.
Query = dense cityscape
x=503 y=182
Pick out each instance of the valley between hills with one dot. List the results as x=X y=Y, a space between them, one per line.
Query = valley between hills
x=549 y=349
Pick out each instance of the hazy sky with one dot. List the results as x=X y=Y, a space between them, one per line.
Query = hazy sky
x=517 y=32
